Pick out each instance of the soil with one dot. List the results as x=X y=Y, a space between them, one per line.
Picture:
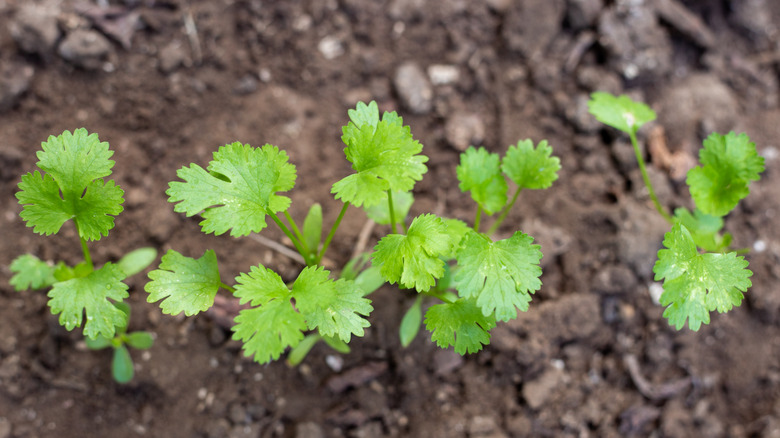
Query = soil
x=166 y=82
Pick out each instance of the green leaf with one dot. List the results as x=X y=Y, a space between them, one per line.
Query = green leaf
x=369 y=280
x=269 y=329
x=312 y=229
x=299 y=352
x=72 y=187
x=237 y=190
x=410 y=323
x=704 y=228
x=30 y=272
x=380 y=213
x=98 y=343
x=461 y=324
x=696 y=284
x=479 y=173
x=500 y=275
x=457 y=229
x=383 y=154
x=729 y=163
x=332 y=307
x=413 y=260
x=529 y=167
x=137 y=260
x=46 y=210
x=184 y=284
x=337 y=344
x=621 y=113
x=91 y=295
x=122 y=365
x=139 y=340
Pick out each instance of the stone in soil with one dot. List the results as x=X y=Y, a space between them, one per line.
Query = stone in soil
x=35 y=29
x=87 y=49
x=14 y=81
x=414 y=90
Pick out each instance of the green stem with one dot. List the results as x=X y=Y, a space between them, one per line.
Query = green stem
x=646 y=178
x=439 y=295
x=289 y=234
x=230 y=289
x=742 y=251
x=478 y=218
x=331 y=234
x=392 y=211
x=297 y=232
x=84 y=247
x=504 y=213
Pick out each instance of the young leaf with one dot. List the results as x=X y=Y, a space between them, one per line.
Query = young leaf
x=479 y=173
x=122 y=365
x=499 y=275
x=337 y=344
x=410 y=323
x=98 y=343
x=383 y=154
x=237 y=190
x=369 y=280
x=413 y=260
x=30 y=272
x=380 y=213
x=137 y=260
x=72 y=187
x=332 y=307
x=266 y=330
x=299 y=352
x=184 y=284
x=529 y=167
x=457 y=229
x=461 y=324
x=696 y=284
x=704 y=228
x=312 y=228
x=621 y=113
x=729 y=163
x=91 y=295
x=139 y=340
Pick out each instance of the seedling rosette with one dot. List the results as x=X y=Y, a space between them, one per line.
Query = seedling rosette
x=69 y=186
x=475 y=280
x=700 y=273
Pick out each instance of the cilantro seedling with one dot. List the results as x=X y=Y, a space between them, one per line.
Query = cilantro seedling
x=699 y=272
x=476 y=280
x=70 y=186
x=122 y=369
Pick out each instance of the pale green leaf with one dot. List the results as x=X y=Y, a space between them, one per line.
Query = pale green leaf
x=184 y=284
x=620 y=112
x=30 y=272
x=531 y=167
x=461 y=324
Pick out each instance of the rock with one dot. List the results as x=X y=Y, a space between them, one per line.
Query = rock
x=599 y=79
x=693 y=108
x=578 y=115
x=442 y=74
x=482 y=425
x=571 y=317
x=582 y=14
x=614 y=279
x=245 y=431
x=537 y=392
x=640 y=237
x=173 y=56
x=553 y=240
x=463 y=130
x=331 y=47
x=755 y=17
x=5 y=428
x=637 y=44
x=35 y=29
x=86 y=49
x=246 y=85
x=14 y=81
x=446 y=361
x=413 y=88
x=529 y=27
x=309 y=430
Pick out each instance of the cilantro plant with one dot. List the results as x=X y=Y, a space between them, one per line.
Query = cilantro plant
x=700 y=272
x=70 y=187
x=472 y=279
x=122 y=368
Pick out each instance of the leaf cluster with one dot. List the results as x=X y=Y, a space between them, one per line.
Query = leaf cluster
x=699 y=272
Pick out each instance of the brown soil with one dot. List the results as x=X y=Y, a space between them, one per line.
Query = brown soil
x=168 y=81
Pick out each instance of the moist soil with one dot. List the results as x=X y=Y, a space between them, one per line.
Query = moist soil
x=166 y=82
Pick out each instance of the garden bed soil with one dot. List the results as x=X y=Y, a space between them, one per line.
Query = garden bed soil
x=166 y=82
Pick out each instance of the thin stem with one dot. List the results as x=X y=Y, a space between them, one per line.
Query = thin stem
x=297 y=232
x=289 y=234
x=504 y=213
x=392 y=211
x=84 y=247
x=646 y=178
x=477 y=218
x=229 y=288
x=440 y=295
x=331 y=234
